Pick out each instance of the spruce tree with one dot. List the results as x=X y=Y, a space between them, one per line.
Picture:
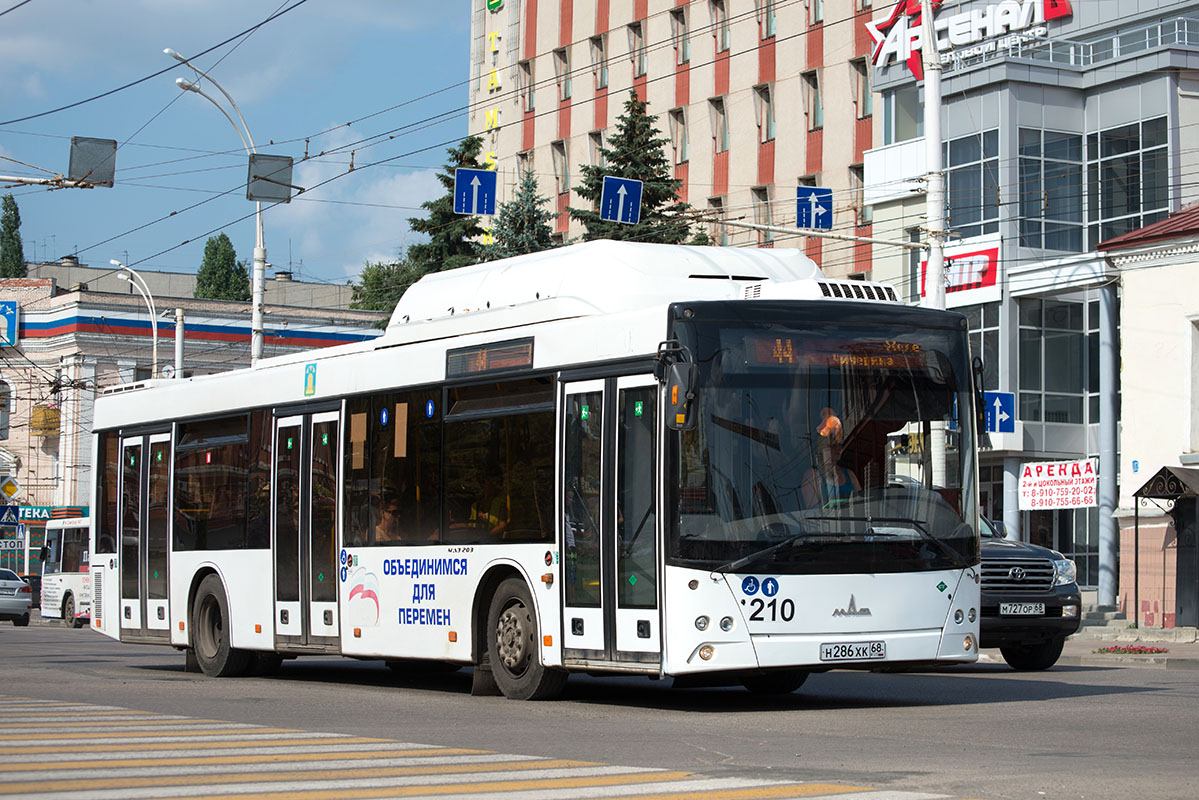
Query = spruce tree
x=453 y=238
x=220 y=277
x=637 y=150
x=522 y=225
x=12 y=253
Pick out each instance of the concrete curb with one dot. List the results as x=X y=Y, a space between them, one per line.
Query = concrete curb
x=1115 y=660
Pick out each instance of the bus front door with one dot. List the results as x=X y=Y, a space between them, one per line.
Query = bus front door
x=144 y=514
x=609 y=528
x=304 y=523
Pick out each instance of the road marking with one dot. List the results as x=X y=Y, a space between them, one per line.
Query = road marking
x=110 y=753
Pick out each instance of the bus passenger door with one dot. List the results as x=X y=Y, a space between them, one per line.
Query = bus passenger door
x=144 y=514
x=609 y=522
x=304 y=514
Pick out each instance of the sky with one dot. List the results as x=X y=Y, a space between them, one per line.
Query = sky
x=375 y=80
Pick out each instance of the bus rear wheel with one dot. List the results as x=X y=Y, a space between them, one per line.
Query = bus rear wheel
x=513 y=644
x=68 y=610
x=210 y=632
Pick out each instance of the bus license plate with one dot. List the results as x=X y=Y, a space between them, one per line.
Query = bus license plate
x=1022 y=609
x=853 y=651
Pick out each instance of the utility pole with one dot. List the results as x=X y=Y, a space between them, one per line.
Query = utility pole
x=934 y=280
x=934 y=275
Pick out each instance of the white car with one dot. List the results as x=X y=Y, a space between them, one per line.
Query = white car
x=16 y=598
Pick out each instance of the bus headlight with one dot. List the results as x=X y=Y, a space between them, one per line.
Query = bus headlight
x=958 y=616
x=726 y=624
x=701 y=622
x=972 y=615
x=706 y=652
x=968 y=643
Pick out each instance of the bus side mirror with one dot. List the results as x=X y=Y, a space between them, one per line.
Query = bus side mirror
x=680 y=396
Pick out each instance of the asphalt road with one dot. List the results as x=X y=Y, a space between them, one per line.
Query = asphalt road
x=977 y=732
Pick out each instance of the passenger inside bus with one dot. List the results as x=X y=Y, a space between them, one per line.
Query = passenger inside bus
x=388 y=529
x=829 y=483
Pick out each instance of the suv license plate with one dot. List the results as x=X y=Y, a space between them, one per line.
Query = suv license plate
x=1022 y=609
x=853 y=651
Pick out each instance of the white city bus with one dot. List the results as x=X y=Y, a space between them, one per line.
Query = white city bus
x=703 y=463
x=66 y=582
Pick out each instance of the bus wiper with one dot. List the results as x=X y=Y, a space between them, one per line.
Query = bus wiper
x=745 y=561
x=953 y=555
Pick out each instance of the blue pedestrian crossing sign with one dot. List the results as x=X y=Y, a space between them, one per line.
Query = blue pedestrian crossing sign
x=1001 y=412
x=814 y=208
x=474 y=191
x=620 y=200
x=9 y=515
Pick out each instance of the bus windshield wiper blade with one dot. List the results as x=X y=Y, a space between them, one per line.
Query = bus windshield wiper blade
x=745 y=561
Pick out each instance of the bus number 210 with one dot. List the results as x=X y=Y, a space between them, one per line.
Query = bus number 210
x=772 y=611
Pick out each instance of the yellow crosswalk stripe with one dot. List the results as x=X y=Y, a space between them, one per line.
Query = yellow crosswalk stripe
x=143 y=746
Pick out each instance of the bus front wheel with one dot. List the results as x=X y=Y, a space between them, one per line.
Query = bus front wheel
x=210 y=632
x=513 y=644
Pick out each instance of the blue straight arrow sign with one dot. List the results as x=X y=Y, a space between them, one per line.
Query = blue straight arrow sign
x=474 y=191
x=620 y=200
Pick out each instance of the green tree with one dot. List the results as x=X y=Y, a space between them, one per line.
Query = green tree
x=381 y=285
x=522 y=225
x=637 y=150
x=12 y=254
x=453 y=238
x=220 y=277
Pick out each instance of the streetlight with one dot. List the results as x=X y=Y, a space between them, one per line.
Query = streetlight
x=256 y=287
x=139 y=283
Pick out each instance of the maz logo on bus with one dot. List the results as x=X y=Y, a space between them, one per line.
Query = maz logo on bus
x=771 y=610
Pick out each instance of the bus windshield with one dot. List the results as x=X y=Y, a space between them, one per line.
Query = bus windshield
x=824 y=446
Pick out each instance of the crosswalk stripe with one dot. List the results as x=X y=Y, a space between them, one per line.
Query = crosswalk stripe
x=13 y=785
x=347 y=790
x=110 y=753
x=226 y=755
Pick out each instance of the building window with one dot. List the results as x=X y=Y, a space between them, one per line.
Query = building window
x=863 y=214
x=1050 y=190
x=983 y=322
x=561 y=167
x=527 y=96
x=678 y=135
x=861 y=85
x=637 y=49
x=719 y=233
x=903 y=115
x=599 y=60
x=1127 y=179
x=1053 y=360
x=766 y=19
x=761 y=198
x=816 y=8
x=765 y=113
x=863 y=5
x=524 y=163
x=595 y=142
x=720 y=26
x=720 y=125
x=562 y=72
x=972 y=183
x=813 y=104
x=678 y=30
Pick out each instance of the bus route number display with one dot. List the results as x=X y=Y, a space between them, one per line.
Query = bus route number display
x=779 y=351
x=493 y=357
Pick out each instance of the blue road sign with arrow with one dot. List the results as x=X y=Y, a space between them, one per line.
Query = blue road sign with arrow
x=813 y=208
x=474 y=191
x=1001 y=412
x=620 y=200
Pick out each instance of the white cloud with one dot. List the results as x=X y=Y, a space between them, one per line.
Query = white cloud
x=356 y=217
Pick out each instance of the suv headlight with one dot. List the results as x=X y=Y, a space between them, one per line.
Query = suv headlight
x=1065 y=571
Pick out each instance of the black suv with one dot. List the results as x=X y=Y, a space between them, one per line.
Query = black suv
x=1030 y=600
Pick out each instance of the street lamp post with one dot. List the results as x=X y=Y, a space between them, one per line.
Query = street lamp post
x=139 y=283
x=259 y=276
